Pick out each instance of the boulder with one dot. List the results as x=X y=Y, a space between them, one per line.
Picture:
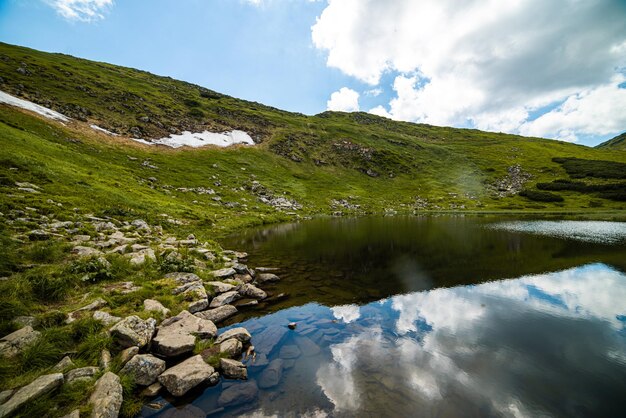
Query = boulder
x=106 y=399
x=96 y=304
x=65 y=364
x=177 y=335
x=238 y=394
x=179 y=379
x=106 y=318
x=271 y=374
x=15 y=342
x=82 y=374
x=223 y=273
x=152 y=390
x=220 y=287
x=133 y=331
x=233 y=369
x=224 y=299
x=251 y=291
x=128 y=354
x=266 y=277
x=231 y=347
x=145 y=368
x=217 y=315
x=155 y=306
x=141 y=256
x=39 y=387
x=239 y=333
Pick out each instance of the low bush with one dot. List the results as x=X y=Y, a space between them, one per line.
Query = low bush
x=539 y=196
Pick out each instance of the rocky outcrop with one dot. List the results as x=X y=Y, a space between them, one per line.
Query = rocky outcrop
x=106 y=399
x=183 y=377
x=177 y=335
x=39 y=387
x=15 y=342
x=145 y=368
x=133 y=331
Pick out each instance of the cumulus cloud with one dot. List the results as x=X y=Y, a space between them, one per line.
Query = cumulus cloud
x=81 y=10
x=344 y=100
x=487 y=64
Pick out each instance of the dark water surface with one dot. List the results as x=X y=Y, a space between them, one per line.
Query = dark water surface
x=434 y=316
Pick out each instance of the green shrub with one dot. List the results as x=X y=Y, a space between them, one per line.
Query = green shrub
x=49 y=284
x=541 y=196
x=46 y=251
x=94 y=269
x=580 y=168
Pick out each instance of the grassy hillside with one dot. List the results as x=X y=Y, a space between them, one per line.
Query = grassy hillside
x=617 y=143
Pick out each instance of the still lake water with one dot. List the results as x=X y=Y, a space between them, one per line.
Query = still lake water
x=433 y=316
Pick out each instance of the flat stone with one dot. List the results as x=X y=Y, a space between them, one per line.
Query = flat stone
x=266 y=277
x=145 y=368
x=231 y=347
x=155 y=306
x=81 y=374
x=217 y=315
x=106 y=399
x=39 y=387
x=106 y=318
x=15 y=342
x=224 y=299
x=220 y=287
x=238 y=394
x=177 y=335
x=269 y=338
x=239 y=333
x=223 y=273
x=183 y=377
x=128 y=354
x=233 y=369
x=152 y=390
x=272 y=374
x=252 y=291
x=289 y=352
x=133 y=331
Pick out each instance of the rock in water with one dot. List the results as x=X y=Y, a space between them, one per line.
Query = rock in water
x=238 y=394
x=231 y=347
x=269 y=338
x=145 y=368
x=106 y=399
x=39 y=387
x=179 y=379
x=217 y=315
x=266 y=277
x=177 y=335
x=233 y=369
x=133 y=331
x=289 y=352
x=224 y=299
x=239 y=333
x=272 y=374
x=252 y=291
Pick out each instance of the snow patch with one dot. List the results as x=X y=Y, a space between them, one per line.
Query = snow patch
x=25 y=104
x=202 y=139
x=97 y=128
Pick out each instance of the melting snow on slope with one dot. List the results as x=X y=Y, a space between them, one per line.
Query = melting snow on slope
x=202 y=138
x=25 y=104
x=97 y=128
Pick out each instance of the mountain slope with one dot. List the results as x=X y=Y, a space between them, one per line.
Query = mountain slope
x=617 y=143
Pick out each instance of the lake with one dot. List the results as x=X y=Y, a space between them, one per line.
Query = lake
x=442 y=316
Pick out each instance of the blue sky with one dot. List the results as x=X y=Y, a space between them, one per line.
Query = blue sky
x=421 y=59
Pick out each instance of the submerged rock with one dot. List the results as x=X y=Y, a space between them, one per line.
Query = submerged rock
x=238 y=394
x=133 y=331
x=181 y=378
x=39 y=387
x=145 y=368
x=106 y=399
x=15 y=342
x=269 y=338
x=289 y=352
x=177 y=335
x=271 y=374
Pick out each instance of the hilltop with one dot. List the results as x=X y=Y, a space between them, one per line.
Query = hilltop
x=617 y=143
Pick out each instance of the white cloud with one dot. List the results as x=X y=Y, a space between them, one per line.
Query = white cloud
x=488 y=63
x=81 y=10
x=344 y=100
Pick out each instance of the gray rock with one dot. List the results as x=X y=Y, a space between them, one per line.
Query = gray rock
x=179 y=379
x=128 y=354
x=266 y=277
x=239 y=333
x=223 y=273
x=140 y=257
x=182 y=278
x=145 y=368
x=224 y=299
x=233 y=369
x=105 y=359
x=238 y=394
x=39 y=387
x=133 y=331
x=177 y=335
x=269 y=338
x=152 y=390
x=15 y=342
x=271 y=374
x=220 y=287
x=5 y=395
x=96 y=304
x=38 y=235
x=289 y=352
x=106 y=399
x=65 y=364
x=23 y=321
x=155 y=306
x=231 y=347
x=81 y=374
x=82 y=251
x=74 y=414
x=106 y=318
x=217 y=315
x=252 y=291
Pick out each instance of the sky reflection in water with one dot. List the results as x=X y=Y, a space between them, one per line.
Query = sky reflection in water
x=541 y=345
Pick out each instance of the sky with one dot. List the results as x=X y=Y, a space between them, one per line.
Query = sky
x=554 y=69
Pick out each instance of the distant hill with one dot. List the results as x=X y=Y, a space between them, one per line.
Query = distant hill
x=619 y=142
